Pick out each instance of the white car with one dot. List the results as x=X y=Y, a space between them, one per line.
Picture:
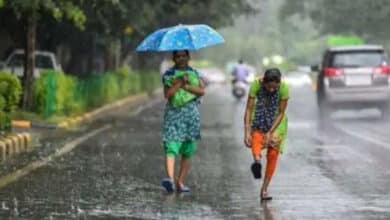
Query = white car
x=43 y=60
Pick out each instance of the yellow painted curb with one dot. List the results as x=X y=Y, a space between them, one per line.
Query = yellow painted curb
x=22 y=143
x=89 y=115
x=14 y=144
x=63 y=124
x=21 y=124
x=8 y=146
x=3 y=150
x=27 y=140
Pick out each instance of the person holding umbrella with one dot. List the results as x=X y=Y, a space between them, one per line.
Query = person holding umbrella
x=181 y=126
x=182 y=89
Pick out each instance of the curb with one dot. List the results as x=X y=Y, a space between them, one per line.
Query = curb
x=86 y=117
x=90 y=116
x=14 y=144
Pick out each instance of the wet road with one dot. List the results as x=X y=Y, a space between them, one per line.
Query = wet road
x=338 y=171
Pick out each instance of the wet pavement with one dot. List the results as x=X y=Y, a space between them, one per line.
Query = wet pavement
x=337 y=171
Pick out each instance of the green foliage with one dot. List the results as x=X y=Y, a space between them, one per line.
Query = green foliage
x=57 y=94
x=10 y=91
x=360 y=17
x=57 y=9
x=340 y=40
x=53 y=94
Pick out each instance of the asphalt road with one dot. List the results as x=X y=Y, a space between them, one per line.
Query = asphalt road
x=337 y=171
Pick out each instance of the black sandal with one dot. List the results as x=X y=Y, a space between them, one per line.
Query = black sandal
x=256 y=170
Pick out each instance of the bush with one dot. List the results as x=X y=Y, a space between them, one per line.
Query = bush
x=59 y=94
x=54 y=93
x=10 y=91
x=10 y=94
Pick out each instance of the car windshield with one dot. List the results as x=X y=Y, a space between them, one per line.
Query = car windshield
x=358 y=59
x=17 y=60
x=41 y=61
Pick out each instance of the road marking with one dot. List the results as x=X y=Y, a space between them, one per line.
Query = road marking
x=301 y=124
x=364 y=137
x=10 y=178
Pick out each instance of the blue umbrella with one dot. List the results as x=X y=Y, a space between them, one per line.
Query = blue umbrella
x=181 y=37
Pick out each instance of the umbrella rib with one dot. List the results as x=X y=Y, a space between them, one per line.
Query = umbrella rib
x=192 y=39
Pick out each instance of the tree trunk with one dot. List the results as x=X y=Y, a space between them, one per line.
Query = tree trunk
x=28 y=77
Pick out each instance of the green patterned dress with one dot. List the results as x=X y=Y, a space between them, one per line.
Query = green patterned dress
x=182 y=123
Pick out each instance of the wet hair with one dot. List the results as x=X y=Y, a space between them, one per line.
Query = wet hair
x=176 y=51
x=272 y=75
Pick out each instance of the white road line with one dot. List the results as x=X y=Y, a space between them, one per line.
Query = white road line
x=364 y=137
x=10 y=178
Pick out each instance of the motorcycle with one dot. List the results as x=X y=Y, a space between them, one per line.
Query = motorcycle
x=239 y=89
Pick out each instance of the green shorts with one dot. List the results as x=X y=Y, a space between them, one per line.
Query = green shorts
x=186 y=149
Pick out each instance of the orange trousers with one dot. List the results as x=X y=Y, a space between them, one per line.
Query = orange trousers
x=272 y=153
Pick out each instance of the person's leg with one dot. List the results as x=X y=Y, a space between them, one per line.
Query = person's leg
x=184 y=168
x=171 y=150
x=188 y=149
x=257 y=145
x=170 y=166
x=272 y=158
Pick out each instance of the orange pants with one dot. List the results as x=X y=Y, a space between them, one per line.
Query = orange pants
x=272 y=153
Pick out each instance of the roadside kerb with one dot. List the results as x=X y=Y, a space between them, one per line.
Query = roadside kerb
x=14 y=144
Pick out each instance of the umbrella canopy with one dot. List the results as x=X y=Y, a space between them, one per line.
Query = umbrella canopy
x=181 y=37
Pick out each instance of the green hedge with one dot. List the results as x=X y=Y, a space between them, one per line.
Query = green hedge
x=58 y=94
x=10 y=94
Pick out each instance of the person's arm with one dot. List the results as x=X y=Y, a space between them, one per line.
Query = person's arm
x=196 y=90
x=278 y=119
x=170 y=91
x=248 y=121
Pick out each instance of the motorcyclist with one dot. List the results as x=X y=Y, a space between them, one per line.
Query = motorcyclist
x=240 y=72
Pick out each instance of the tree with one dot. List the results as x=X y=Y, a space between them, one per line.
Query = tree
x=30 y=12
x=368 y=19
x=114 y=25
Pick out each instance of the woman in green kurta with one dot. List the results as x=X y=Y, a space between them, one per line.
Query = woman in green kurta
x=181 y=126
x=266 y=123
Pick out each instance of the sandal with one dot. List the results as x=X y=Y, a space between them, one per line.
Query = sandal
x=167 y=183
x=265 y=197
x=182 y=189
x=256 y=170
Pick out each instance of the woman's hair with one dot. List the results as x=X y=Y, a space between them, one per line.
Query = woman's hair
x=272 y=75
x=176 y=51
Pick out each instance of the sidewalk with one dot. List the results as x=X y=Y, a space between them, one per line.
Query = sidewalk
x=27 y=135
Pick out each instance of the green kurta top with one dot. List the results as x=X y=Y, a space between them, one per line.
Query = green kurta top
x=283 y=94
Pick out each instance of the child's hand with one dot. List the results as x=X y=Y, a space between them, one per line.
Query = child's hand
x=267 y=138
x=248 y=140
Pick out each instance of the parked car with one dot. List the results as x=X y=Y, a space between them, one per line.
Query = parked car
x=43 y=60
x=353 y=77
